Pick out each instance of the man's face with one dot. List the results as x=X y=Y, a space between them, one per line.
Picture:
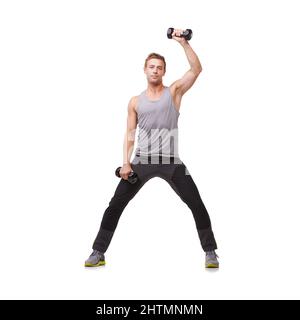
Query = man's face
x=154 y=71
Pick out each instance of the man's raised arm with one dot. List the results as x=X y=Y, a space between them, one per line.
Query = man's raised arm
x=188 y=79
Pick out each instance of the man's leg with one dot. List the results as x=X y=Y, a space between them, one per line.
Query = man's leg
x=183 y=184
x=123 y=194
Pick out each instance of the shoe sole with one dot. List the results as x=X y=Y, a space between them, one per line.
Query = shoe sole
x=212 y=265
x=100 y=263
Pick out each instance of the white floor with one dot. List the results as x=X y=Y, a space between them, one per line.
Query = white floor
x=155 y=254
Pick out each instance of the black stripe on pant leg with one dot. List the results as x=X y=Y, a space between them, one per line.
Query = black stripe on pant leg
x=187 y=190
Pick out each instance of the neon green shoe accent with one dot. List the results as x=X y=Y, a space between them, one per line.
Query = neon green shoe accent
x=212 y=265
x=100 y=263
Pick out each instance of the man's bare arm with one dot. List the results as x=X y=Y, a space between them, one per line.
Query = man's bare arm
x=129 y=137
x=188 y=79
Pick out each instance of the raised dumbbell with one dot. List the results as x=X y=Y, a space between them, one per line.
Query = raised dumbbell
x=187 y=34
x=132 y=177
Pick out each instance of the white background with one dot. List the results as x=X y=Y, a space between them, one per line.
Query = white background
x=67 y=72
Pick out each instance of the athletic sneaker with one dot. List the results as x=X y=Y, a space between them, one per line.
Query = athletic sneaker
x=211 y=260
x=96 y=259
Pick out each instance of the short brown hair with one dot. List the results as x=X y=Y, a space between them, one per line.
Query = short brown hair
x=154 y=55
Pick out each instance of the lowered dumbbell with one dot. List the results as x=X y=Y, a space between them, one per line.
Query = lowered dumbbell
x=187 y=34
x=132 y=177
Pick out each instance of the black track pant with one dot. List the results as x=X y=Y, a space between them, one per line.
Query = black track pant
x=178 y=177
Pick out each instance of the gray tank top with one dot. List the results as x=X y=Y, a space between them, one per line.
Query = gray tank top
x=157 y=123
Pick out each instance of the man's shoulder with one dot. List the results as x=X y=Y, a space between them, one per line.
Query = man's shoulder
x=133 y=102
x=173 y=88
x=134 y=99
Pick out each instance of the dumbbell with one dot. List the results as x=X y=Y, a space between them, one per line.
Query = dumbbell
x=187 y=34
x=132 y=177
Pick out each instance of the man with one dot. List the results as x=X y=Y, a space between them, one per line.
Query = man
x=156 y=110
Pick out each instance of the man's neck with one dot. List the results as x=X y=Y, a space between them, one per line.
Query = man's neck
x=155 y=89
